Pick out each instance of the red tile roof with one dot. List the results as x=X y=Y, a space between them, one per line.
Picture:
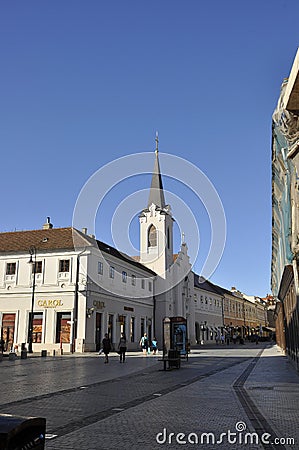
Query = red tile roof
x=51 y=239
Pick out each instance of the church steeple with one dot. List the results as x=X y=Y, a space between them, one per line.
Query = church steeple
x=156 y=192
x=156 y=226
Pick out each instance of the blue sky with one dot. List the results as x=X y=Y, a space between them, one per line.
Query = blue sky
x=84 y=83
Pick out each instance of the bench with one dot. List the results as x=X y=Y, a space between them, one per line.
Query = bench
x=172 y=363
x=173 y=359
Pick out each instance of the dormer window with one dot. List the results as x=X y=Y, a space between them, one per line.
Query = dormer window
x=152 y=236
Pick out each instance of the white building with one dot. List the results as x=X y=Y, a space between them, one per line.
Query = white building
x=78 y=288
x=83 y=289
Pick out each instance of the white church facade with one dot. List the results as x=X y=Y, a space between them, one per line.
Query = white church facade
x=77 y=288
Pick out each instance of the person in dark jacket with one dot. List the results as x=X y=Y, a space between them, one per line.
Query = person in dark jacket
x=106 y=347
x=122 y=347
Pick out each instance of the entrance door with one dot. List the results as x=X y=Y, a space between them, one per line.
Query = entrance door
x=63 y=328
x=8 y=330
x=98 y=331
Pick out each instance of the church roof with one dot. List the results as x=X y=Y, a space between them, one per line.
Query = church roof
x=156 y=192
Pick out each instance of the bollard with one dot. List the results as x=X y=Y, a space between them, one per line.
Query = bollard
x=12 y=356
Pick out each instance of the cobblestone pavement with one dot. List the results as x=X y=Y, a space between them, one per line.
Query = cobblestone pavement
x=220 y=390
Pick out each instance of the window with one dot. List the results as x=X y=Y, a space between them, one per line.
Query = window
x=124 y=276
x=63 y=328
x=132 y=329
x=111 y=272
x=152 y=236
x=142 y=284
x=64 y=265
x=150 y=286
x=133 y=280
x=38 y=267
x=37 y=327
x=100 y=268
x=10 y=268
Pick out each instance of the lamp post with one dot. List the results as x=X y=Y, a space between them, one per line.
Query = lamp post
x=32 y=261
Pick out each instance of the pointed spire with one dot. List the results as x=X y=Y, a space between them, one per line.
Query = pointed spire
x=156 y=192
x=157 y=143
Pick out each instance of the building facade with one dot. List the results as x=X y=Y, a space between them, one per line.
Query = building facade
x=61 y=289
x=285 y=212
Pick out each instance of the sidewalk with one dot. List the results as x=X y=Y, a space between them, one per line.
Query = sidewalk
x=209 y=406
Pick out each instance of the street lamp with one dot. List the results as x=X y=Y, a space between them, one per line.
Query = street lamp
x=32 y=261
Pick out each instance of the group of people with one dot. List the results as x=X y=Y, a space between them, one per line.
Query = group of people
x=146 y=346
x=107 y=347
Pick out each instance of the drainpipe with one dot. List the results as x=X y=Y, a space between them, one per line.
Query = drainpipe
x=75 y=318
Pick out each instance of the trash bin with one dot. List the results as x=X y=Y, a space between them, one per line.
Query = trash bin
x=174 y=358
x=17 y=432
x=23 y=351
x=44 y=353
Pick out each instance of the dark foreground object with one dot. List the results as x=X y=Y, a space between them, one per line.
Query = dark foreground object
x=22 y=433
x=173 y=359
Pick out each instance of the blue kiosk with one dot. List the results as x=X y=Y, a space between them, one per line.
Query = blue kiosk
x=175 y=340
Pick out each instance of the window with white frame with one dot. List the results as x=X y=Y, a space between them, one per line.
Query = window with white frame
x=38 y=267
x=11 y=268
x=64 y=265
x=133 y=280
x=111 y=272
x=124 y=276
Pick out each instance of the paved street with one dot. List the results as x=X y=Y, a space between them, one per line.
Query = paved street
x=224 y=391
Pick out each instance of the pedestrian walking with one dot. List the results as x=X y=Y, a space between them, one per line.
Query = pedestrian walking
x=122 y=347
x=154 y=346
x=144 y=344
x=106 y=347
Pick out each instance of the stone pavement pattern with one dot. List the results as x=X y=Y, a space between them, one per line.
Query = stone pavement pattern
x=199 y=398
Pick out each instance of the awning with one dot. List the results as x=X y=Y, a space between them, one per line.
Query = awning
x=272 y=330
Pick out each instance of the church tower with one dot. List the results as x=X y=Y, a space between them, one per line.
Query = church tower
x=156 y=226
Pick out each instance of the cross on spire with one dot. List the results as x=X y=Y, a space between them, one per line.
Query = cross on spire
x=157 y=142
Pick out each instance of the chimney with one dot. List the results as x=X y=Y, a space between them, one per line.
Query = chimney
x=84 y=230
x=48 y=225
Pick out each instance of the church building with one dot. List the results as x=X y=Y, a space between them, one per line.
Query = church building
x=61 y=289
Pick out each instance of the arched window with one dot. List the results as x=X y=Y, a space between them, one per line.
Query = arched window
x=152 y=236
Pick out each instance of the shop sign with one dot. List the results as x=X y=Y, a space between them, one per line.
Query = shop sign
x=49 y=303
x=98 y=304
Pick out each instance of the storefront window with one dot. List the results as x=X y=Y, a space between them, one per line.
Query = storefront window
x=63 y=327
x=110 y=327
x=7 y=330
x=37 y=327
